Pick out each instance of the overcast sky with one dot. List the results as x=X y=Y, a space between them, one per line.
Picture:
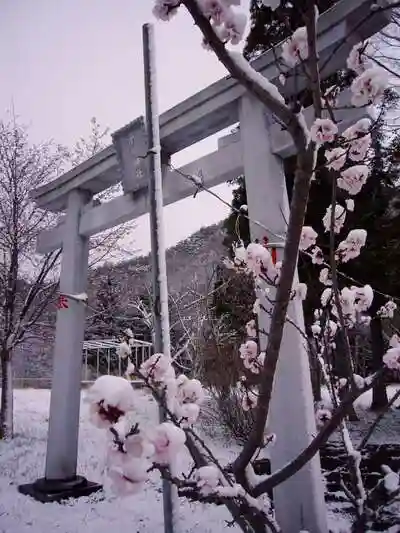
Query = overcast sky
x=65 y=61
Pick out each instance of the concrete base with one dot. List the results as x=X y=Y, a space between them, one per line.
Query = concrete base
x=46 y=491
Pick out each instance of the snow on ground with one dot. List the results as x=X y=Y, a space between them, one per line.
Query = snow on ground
x=22 y=461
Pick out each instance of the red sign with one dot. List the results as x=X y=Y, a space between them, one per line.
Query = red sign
x=274 y=255
x=62 y=302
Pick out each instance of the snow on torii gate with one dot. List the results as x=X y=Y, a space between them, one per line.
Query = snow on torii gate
x=257 y=152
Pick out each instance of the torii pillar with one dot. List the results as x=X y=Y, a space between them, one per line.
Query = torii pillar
x=299 y=501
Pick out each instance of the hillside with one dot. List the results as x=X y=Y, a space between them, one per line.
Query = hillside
x=189 y=266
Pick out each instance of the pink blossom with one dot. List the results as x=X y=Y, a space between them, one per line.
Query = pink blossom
x=187 y=412
x=308 y=237
x=369 y=87
x=339 y=218
x=168 y=440
x=317 y=256
x=251 y=329
x=336 y=158
x=110 y=397
x=295 y=48
x=392 y=358
x=158 y=368
x=323 y=130
x=358 y=60
x=233 y=28
x=353 y=179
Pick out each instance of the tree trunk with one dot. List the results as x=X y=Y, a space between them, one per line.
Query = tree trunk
x=379 y=395
x=341 y=368
x=7 y=397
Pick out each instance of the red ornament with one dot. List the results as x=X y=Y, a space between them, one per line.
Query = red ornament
x=62 y=302
x=274 y=254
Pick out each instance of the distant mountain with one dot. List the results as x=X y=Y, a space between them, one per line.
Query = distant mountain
x=189 y=267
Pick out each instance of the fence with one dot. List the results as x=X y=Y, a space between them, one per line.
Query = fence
x=100 y=357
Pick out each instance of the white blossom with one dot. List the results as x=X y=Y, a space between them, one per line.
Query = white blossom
x=387 y=310
x=368 y=87
x=323 y=130
x=295 y=48
x=168 y=441
x=358 y=61
x=339 y=218
x=308 y=238
x=350 y=204
x=208 y=478
x=109 y=398
x=352 y=179
x=317 y=256
x=392 y=358
x=336 y=158
x=251 y=329
x=165 y=9
x=322 y=416
x=350 y=248
x=325 y=277
x=158 y=368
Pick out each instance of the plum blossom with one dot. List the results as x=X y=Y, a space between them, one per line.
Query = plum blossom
x=364 y=296
x=208 y=478
x=316 y=329
x=349 y=204
x=216 y=10
x=251 y=359
x=324 y=277
x=295 y=48
x=188 y=413
x=189 y=390
x=249 y=400
x=128 y=476
x=392 y=358
x=350 y=248
x=158 y=368
x=317 y=256
x=322 y=416
x=165 y=9
x=308 y=238
x=258 y=259
x=300 y=292
x=109 y=398
x=336 y=158
x=352 y=179
x=359 y=128
x=168 y=441
x=387 y=310
x=323 y=130
x=326 y=296
x=233 y=29
x=359 y=147
x=251 y=330
x=394 y=341
x=339 y=218
x=368 y=87
x=358 y=59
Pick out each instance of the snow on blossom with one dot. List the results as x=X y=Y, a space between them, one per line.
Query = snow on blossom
x=316 y=329
x=165 y=9
x=256 y=306
x=364 y=297
x=394 y=341
x=322 y=416
x=391 y=481
x=128 y=477
x=248 y=350
x=336 y=158
x=158 y=368
x=323 y=130
x=359 y=128
x=207 y=478
x=349 y=204
x=188 y=413
x=331 y=329
x=339 y=218
x=233 y=29
x=189 y=390
x=352 y=179
x=249 y=400
x=258 y=259
x=168 y=441
x=295 y=49
x=350 y=248
x=255 y=76
x=216 y=10
x=110 y=397
x=300 y=292
x=317 y=256
x=359 y=147
x=123 y=350
x=326 y=296
x=251 y=330
x=392 y=358
x=358 y=59
x=369 y=86
x=387 y=310
x=308 y=237
x=325 y=277
x=347 y=302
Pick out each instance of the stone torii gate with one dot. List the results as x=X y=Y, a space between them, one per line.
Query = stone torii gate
x=257 y=151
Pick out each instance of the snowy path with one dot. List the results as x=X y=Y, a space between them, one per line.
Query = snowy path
x=23 y=459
